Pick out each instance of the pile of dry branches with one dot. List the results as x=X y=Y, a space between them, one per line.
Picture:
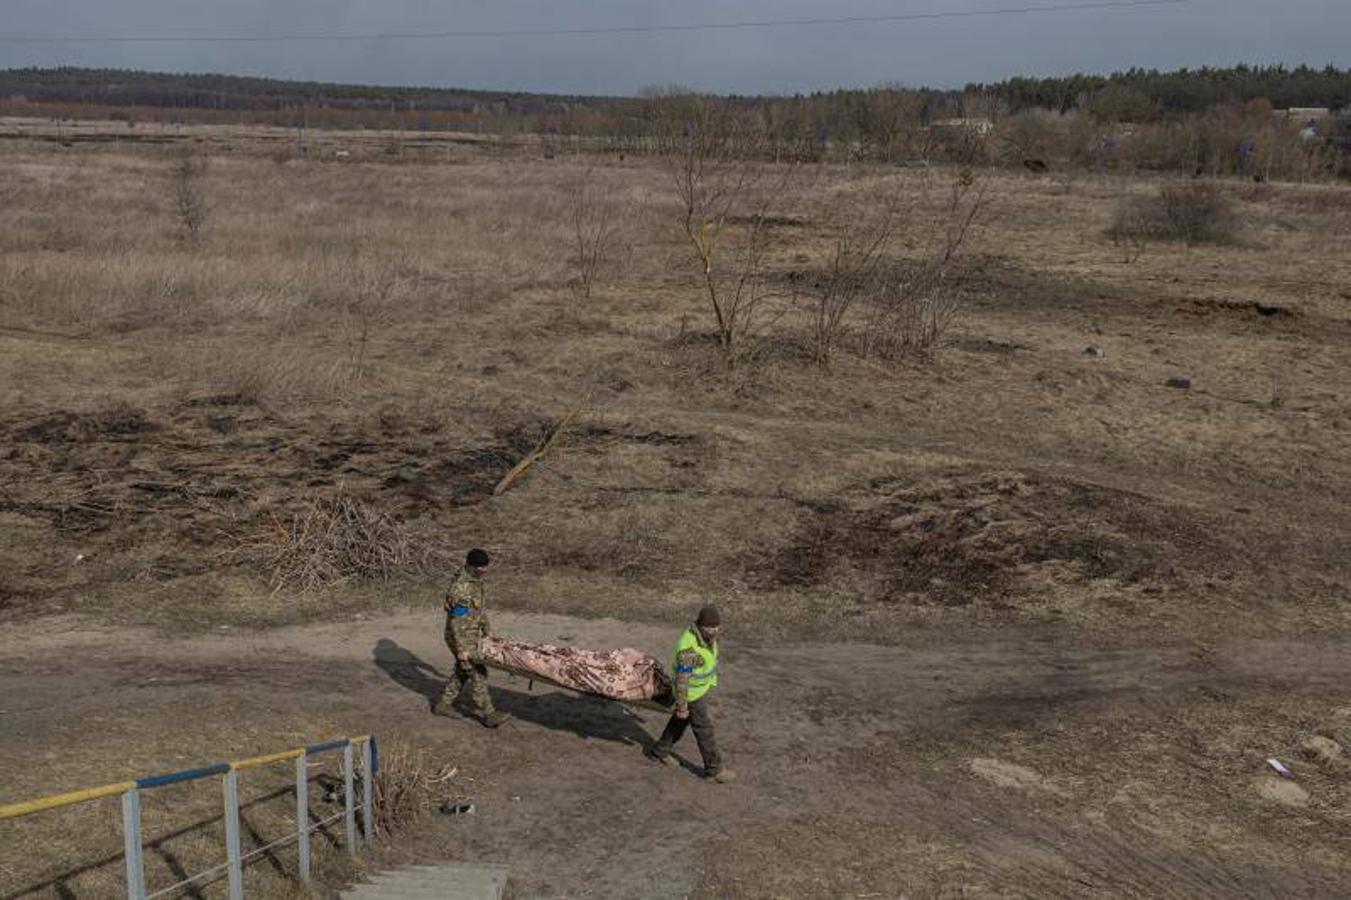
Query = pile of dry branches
x=337 y=540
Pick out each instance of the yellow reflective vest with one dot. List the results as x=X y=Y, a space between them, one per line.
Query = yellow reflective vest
x=704 y=675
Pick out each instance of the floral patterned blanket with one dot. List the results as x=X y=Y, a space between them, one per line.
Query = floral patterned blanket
x=618 y=674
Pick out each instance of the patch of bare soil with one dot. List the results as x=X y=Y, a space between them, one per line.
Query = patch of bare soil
x=999 y=283
x=959 y=765
x=969 y=537
x=994 y=282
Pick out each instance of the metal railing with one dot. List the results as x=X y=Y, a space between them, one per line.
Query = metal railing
x=130 y=791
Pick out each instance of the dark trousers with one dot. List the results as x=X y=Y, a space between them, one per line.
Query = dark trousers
x=702 y=722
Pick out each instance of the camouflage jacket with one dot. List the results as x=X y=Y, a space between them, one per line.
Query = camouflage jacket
x=466 y=611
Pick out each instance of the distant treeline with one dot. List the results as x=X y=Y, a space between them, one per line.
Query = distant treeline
x=1138 y=93
x=1155 y=94
x=1217 y=121
x=118 y=87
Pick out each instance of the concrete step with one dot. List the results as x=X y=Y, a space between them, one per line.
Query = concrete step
x=450 y=881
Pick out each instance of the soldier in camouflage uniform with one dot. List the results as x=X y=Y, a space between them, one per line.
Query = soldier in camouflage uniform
x=466 y=625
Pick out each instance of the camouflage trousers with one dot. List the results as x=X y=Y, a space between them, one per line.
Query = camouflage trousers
x=472 y=675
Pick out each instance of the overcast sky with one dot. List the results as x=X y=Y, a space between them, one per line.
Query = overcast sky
x=948 y=52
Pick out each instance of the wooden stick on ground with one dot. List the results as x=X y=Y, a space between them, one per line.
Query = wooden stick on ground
x=535 y=455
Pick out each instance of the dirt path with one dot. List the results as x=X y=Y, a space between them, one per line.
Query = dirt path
x=1014 y=765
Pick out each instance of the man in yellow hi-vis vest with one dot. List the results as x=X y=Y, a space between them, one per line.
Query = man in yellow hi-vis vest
x=696 y=674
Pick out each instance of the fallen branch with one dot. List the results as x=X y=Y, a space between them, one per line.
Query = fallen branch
x=534 y=456
x=446 y=774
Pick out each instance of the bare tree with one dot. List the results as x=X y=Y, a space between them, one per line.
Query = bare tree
x=895 y=113
x=189 y=199
x=713 y=157
x=966 y=200
x=742 y=293
x=367 y=307
x=595 y=225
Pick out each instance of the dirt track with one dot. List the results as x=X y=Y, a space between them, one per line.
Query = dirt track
x=1014 y=765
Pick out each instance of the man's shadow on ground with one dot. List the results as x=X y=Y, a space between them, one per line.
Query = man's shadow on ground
x=557 y=709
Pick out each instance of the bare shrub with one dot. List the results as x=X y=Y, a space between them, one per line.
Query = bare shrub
x=917 y=303
x=190 y=199
x=913 y=310
x=1031 y=138
x=854 y=271
x=334 y=541
x=745 y=304
x=595 y=225
x=1131 y=229
x=406 y=785
x=1194 y=213
x=366 y=308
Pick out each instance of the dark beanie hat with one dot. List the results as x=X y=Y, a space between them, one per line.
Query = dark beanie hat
x=708 y=617
x=477 y=558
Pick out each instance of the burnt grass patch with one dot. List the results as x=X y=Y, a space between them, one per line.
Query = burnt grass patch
x=116 y=423
x=461 y=477
x=961 y=538
x=603 y=434
x=175 y=492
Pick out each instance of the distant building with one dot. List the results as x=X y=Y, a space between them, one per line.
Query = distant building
x=968 y=124
x=1307 y=117
x=1303 y=114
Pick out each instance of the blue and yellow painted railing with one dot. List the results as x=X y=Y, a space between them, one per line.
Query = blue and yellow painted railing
x=130 y=792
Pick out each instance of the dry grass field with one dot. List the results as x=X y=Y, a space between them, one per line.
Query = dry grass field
x=1015 y=616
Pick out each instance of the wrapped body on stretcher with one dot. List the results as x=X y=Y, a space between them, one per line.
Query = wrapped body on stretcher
x=627 y=676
